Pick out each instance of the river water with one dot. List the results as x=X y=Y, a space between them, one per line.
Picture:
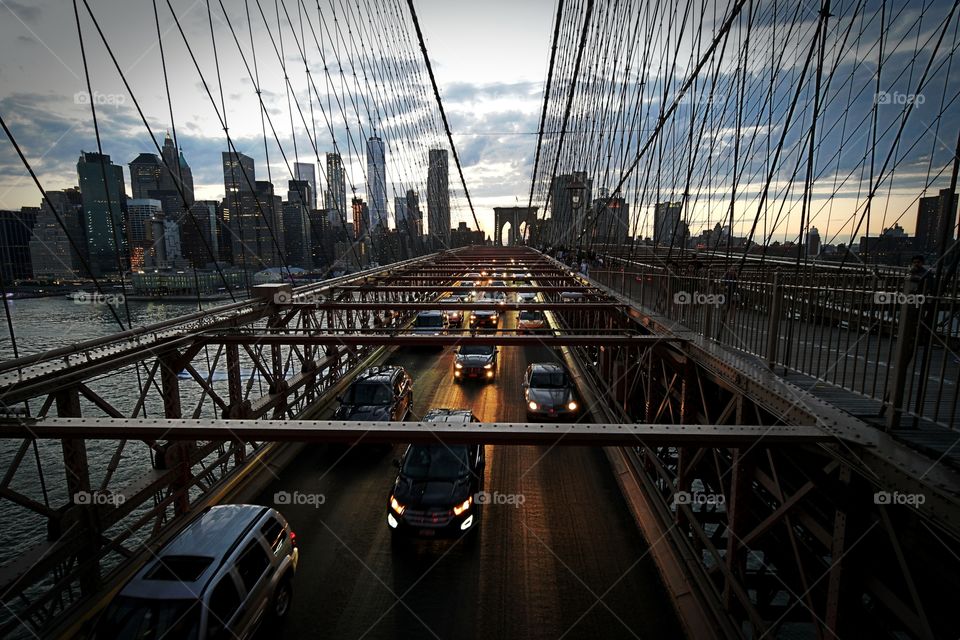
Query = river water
x=47 y=323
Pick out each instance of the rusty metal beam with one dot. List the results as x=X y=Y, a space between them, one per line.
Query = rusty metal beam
x=405 y=340
x=378 y=432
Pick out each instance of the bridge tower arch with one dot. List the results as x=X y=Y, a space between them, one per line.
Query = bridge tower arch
x=517 y=217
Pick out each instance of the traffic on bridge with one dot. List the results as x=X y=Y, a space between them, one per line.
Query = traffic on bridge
x=590 y=320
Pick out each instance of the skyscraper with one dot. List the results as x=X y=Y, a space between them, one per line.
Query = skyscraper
x=667 y=227
x=414 y=213
x=934 y=216
x=235 y=166
x=813 y=242
x=361 y=218
x=239 y=211
x=176 y=172
x=16 y=229
x=199 y=237
x=377 y=182
x=51 y=252
x=146 y=171
x=438 y=199
x=336 y=202
x=305 y=171
x=296 y=224
x=104 y=211
x=140 y=214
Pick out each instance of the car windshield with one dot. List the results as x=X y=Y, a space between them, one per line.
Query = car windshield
x=498 y=283
x=475 y=350
x=530 y=315
x=128 y=617
x=367 y=393
x=430 y=321
x=435 y=461
x=548 y=380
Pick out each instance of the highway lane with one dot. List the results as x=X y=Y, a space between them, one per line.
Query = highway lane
x=569 y=562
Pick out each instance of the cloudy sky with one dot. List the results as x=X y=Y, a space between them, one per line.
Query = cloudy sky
x=366 y=77
x=490 y=71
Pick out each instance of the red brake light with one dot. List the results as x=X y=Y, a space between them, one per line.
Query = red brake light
x=293 y=538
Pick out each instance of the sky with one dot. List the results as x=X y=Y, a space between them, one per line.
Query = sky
x=490 y=72
x=490 y=60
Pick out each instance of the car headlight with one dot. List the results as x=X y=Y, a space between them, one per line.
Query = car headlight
x=396 y=506
x=458 y=366
x=489 y=365
x=460 y=508
x=533 y=405
x=572 y=406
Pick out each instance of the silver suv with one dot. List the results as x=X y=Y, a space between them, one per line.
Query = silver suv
x=218 y=578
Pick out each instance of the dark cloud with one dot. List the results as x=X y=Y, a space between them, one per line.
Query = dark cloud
x=28 y=13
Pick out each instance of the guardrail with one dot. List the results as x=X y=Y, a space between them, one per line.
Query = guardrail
x=889 y=339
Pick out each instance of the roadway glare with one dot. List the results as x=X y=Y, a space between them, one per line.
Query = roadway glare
x=537 y=570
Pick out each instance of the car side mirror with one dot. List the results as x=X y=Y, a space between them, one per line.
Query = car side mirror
x=396 y=462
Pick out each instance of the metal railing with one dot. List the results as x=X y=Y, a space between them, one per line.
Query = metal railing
x=890 y=340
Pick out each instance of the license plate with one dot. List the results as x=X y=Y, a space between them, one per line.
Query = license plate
x=427 y=532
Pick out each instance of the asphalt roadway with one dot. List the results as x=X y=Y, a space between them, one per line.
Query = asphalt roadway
x=568 y=562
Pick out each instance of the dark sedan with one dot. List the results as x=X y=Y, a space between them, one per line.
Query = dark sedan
x=548 y=392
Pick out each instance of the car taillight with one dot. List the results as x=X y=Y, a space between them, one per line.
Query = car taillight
x=293 y=538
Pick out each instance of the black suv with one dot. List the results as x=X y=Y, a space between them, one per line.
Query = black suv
x=433 y=495
x=379 y=393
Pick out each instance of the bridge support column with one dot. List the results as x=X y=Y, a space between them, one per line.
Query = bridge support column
x=773 y=323
x=238 y=407
x=907 y=341
x=79 y=520
x=170 y=383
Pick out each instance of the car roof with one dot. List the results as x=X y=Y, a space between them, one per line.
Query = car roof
x=450 y=415
x=551 y=367
x=214 y=535
x=378 y=374
x=432 y=312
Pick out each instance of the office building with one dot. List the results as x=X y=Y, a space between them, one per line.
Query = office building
x=336 y=200
x=438 y=199
x=141 y=212
x=377 y=182
x=306 y=172
x=936 y=219
x=668 y=228
x=51 y=252
x=104 y=212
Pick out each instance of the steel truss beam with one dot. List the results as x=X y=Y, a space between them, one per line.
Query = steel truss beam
x=542 y=433
x=405 y=340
